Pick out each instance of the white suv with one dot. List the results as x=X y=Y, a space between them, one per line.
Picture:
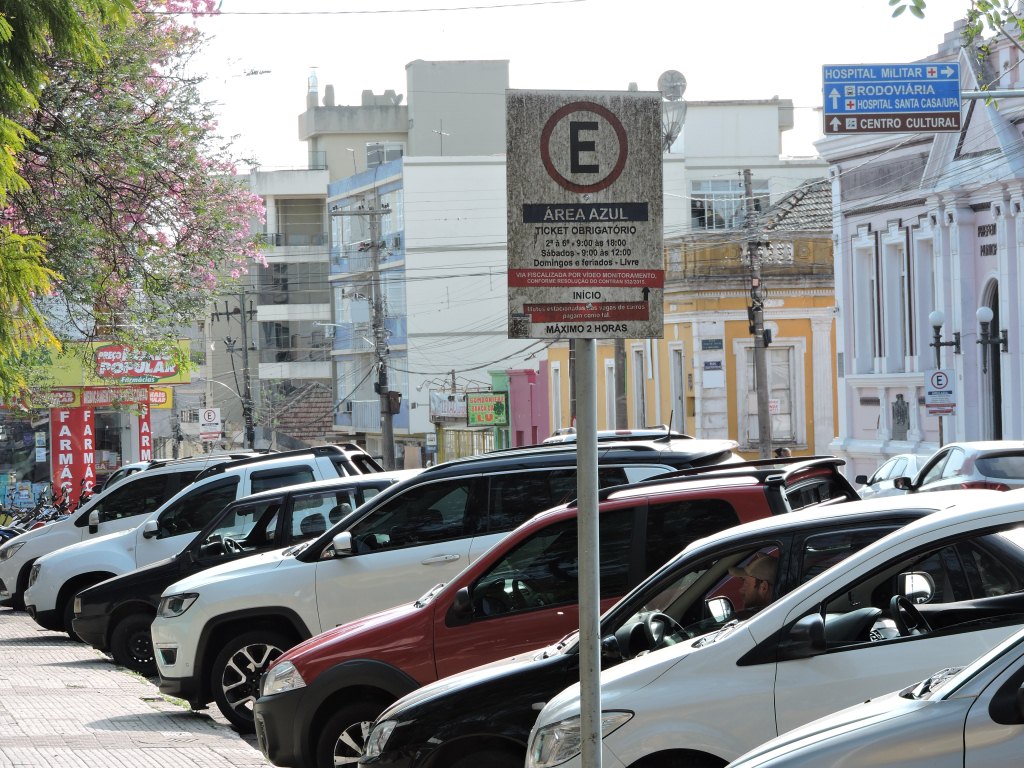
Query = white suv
x=57 y=577
x=216 y=632
x=938 y=592
x=116 y=508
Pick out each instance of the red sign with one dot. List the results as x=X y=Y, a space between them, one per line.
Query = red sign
x=73 y=441
x=145 y=435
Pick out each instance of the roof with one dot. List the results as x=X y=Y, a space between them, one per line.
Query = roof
x=808 y=208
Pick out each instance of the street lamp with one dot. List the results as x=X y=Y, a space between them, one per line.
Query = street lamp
x=987 y=338
x=936 y=319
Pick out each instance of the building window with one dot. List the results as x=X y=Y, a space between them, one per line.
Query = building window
x=609 y=394
x=779 y=361
x=721 y=203
x=639 y=390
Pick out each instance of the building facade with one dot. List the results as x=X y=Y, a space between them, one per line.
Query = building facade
x=929 y=233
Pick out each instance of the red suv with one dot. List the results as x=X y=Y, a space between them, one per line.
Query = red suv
x=317 y=698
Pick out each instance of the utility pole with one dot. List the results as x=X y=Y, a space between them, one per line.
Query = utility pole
x=244 y=317
x=380 y=333
x=621 y=415
x=764 y=431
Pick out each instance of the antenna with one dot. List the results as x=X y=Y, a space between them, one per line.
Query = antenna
x=672 y=85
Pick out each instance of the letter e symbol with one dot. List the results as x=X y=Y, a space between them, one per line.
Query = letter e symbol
x=576 y=145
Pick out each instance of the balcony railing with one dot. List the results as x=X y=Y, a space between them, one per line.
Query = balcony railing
x=317 y=160
x=282 y=239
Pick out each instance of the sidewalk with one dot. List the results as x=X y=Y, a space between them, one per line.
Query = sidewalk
x=66 y=705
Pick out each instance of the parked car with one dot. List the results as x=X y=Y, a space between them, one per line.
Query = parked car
x=958 y=716
x=317 y=699
x=117 y=508
x=483 y=716
x=115 y=615
x=994 y=464
x=406 y=539
x=882 y=481
x=119 y=474
x=939 y=591
x=55 y=578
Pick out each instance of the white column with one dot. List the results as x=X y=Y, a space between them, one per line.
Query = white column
x=821 y=384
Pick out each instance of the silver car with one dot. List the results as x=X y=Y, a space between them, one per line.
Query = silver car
x=996 y=465
x=882 y=482
x=972 y=716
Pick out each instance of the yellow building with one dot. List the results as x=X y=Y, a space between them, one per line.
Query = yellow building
x=699 y=378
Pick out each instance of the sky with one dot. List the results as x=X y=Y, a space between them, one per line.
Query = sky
x=260 y=53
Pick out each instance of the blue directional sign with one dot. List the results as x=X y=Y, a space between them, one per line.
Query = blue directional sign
x=892 y=98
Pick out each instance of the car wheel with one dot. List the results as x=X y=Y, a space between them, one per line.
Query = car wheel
x=131 y=644
x=237 y=671
x=344 y=734
x=492 y=758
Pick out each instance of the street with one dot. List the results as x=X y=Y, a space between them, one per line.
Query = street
x=66 y=704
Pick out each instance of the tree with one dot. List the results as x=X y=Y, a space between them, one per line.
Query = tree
x=998 y=16
x=128 y=190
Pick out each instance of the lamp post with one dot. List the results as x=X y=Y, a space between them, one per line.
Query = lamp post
x=936 y=319
x=989 y=338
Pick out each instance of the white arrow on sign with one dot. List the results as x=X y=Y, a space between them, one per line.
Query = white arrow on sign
x=947 y=71
x=835 y=96
x=836 y=122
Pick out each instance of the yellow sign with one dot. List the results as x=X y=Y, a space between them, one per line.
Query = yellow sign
x=161 y=397
x=106 y=364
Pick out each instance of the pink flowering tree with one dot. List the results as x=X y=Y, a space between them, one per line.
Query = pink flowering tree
x=128 y=190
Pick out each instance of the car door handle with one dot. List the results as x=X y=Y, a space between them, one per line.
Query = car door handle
x=441 y=559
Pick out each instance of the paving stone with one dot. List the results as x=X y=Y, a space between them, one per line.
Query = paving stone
x=66 y=705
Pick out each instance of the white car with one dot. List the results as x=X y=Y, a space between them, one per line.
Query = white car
x=882 y=481
x=216 y=632
x=55 y=578
x=960 y=716
x=937 y=592
x=116 y=508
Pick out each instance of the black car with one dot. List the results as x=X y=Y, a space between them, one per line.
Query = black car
x=483 y=717
x=115 y=614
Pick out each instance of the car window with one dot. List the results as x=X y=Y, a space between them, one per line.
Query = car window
x=1007 y=467
x=314 y=513
x=515 y=497
x=884 y=472
x=195 y=509
x=138 y=496
x=823 y=550
x=244 y=528
x=544 y=570
x=954 y=463
x=425 y=513
x=952 y=585
x=269 y=479
x=899 y=468
x=934 y=472
x=672 y=525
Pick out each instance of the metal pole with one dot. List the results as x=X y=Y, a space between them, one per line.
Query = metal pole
x=589 y=579
x=937 y=343
x=621 y=412
x=247 y=415
x=764 y=434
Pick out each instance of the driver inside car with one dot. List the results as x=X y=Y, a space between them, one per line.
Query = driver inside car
x=758 y=580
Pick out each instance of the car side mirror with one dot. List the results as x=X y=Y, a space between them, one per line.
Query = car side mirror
x=610 y=648
x=342 y=544
x=720 y=608
x=806 y=638
x=862 y=479
x=903 y=483
x=150 y=529
x=917 y=586
x=94 y=521
x=461 y=610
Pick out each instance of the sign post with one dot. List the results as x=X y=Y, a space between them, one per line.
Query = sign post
x=585 y=262
x=891 y=98
x=209 y=424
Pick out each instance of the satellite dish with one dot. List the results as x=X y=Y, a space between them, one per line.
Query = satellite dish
x=672 y=84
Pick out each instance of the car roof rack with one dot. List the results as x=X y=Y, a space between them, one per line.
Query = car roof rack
x=316 y=450
x=773 y=471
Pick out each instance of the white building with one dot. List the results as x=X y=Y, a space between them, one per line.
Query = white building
x=924 y=223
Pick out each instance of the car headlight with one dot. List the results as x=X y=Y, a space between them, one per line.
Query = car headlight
x=175 y=605
x=6 y=553
x=283 y=677
x=554 y=744
x=33 y=573
x=378 y=737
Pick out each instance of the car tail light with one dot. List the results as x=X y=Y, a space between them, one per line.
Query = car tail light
x=984 y=485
